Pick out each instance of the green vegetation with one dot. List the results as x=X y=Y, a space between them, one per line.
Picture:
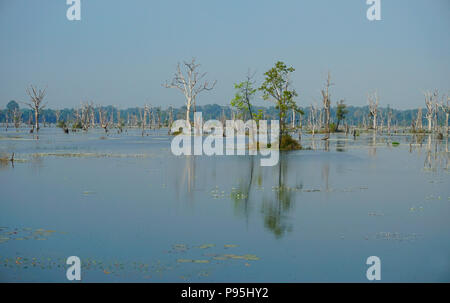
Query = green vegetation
x=341 y=112
x=289 y=143
x=242 y=99
x=77 y=125
x=61 y=124
x=276 y=87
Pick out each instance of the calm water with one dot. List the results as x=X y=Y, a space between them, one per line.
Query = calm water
x=134 y=212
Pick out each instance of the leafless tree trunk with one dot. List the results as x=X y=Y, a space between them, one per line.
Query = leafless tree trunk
x=293 y=118
x=446 y=110
x=389 y=119
x=170 y=117
x=419 y=119
x=327 y=102
x=37 y=96
x=119 y=122
x=86 y=114
x=313 y=119
x=373 y=108
x=429 y=102
x=17 y=117
x=6 y=120
x=58 y=115
x=190 y=83
x=103 y=119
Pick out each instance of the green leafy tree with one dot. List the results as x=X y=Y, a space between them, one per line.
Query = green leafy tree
x=341 y=112
x=244 y=94
x=276 y=87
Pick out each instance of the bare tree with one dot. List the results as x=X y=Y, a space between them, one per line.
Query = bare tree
x=17 y=117
x=419 y=119
x=170 y=117
x=429 y=102
x=86 y=115
x=190 y=83
x=37 y=96
x=312 y=119
x=327 y=102
x=119 y=121
x=103 y=118
x=389 y=119
x=6 y=120
x=446 y=109
x=373 y=108
x=58 y=115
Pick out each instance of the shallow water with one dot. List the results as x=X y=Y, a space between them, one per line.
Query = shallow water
x=134 y=212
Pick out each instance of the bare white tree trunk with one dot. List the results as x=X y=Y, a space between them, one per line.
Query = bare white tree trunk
x=327 y=102
x=373 y=108
x=189 y=84
x=36 y=95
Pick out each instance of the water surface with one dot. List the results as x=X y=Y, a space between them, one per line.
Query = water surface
x=133 y=212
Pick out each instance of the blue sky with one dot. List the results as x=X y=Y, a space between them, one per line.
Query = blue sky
x=122 y=51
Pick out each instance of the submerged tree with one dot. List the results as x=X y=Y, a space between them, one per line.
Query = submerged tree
x=103 y=118
x=86 y=115
x=37 y=96
x=276 y=87
x=446 y=109
x=190 y=83
x=429 y=103
x=341 y=112
x=373 y=108
x=326 y=100
x=244 y=94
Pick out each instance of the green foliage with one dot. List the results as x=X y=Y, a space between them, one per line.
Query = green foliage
x=333 y=127
x=341 y=112
x=258 y=116
x=242 y=98
x=289 y=143
x=276 y=87
x=61 y=124
x=77 y=125
x=395 y=143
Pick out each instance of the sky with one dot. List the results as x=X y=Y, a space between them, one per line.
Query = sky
x=121 y=52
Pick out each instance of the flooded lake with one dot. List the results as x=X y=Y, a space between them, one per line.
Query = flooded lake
x=133 y=212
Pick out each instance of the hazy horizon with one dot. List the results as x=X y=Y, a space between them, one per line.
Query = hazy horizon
x=121 y=52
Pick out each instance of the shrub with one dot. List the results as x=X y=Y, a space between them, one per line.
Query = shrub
x=61 y=124
x=77 y=125
x=289 y=143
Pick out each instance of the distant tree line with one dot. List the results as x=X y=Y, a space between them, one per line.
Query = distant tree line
x=356 y=115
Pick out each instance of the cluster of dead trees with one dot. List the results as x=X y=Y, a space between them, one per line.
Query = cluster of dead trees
x=191 y=82
x=434 y=104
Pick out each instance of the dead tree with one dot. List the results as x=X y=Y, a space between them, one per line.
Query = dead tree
x=6 y=120
x=446 y=109
x=119 y=122
x=389 y=119
x=327 y=102
x=429 y=102
x=103 y=119
x=86 y=115
x=312 y=119
x=58 y=115
x=37 y=96
x=419 y=119
x=170 y=117
x=17 y=117
x=190 y=83
x=373 y=108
